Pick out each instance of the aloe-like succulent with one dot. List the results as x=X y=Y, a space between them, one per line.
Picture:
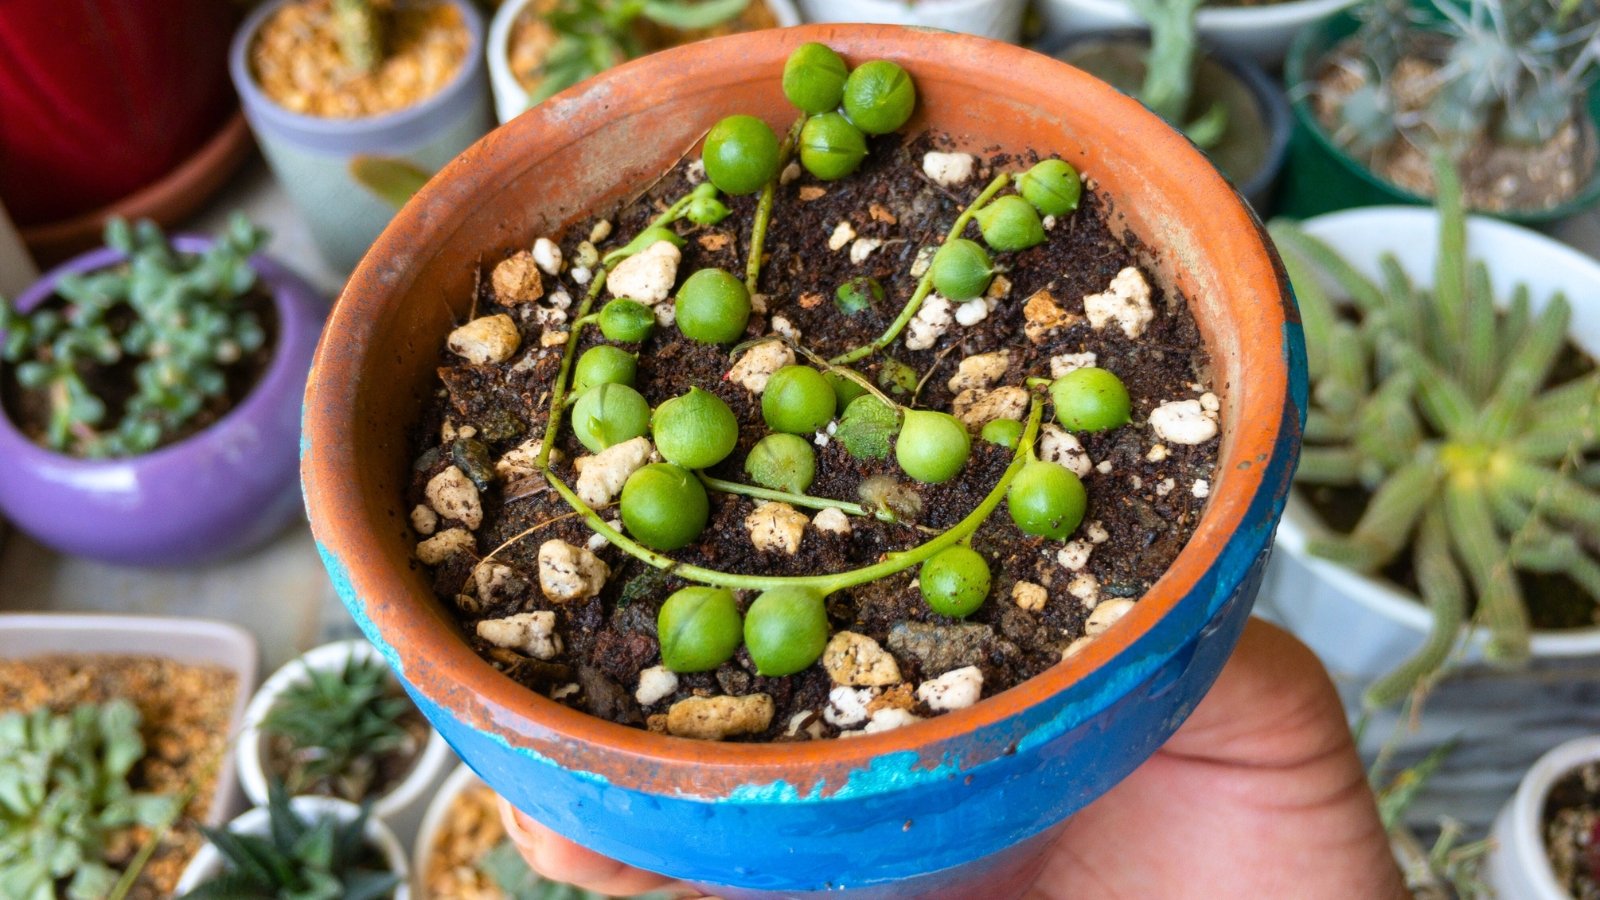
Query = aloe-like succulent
x=1512 y=69
x=1170 y=68
x=1442 y=408
x=176 y=320
x=338 y=725
x=321 y=859
x=64 y=795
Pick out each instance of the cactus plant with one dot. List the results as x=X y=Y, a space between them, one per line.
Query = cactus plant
x=64 y=795
x=361 y=29
x=1513 y=71
x=1170 y=68
x=337 y=726
x=325 y=859
x=177 y=321
x=1443 y=410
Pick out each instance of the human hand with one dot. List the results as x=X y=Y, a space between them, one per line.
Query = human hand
x=1259 y=794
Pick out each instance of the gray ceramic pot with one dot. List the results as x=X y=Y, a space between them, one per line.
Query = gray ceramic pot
x=311 y=155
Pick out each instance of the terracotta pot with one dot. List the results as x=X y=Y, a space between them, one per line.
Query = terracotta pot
x=956 y=806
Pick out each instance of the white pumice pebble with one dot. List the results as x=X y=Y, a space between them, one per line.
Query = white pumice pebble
x=923 y=261
x=446 y=544
x=1136 y=483
x=1209 y=402
x=516 y=280
x=453 y=496
x=758 y=303
x=1058 y=445
x=784 y=327
x=696 y=172
x=1183 y=422
x=776 y=527
x=847 y=706
x=600 y=231
x=754 y=369
x=1165 y=486
x=647 y=276
x=791 y=173
x=821 y=439
x=1029 y=596
x=948 y=169
x=1070 y=362
x=977 y=408
x=980 y=370
x=716 y=718
x=956 y=689
x=568 y=573
x=424 y=520
x=887 y=719
x=531 y=633
x=972 y=312
x=1086 y=588
x=581 y=274
x=1103 y=467
x=666 y=314
x=547 y=256
x=1042 y=316
x=832 y=521
x=565 y=691
x=486 y=339
x=807 y=721
x=521 y=461
x=1126 y=302
x=930 y=323
x=1105 y=615
x=1076 y=647
x=999 y=288
x=1049 y=223
x=447 y=432
x=863 y=248
x=560 y=300
x=596 y=542
x=859 y=661
x=491 y=579
x=843 y=234
x=1158 y=453
x=1096 y=532
x=1201 y=488
x=601 y=476
x=1075 y=554
x=655 y=684
x=552 y=337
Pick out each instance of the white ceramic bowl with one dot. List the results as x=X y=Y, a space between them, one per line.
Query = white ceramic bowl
x=510 y=100
x=1262 y=33
x=401 y=808
x=998 y=19
x=208 y=862
x=1517 y=867
x=188 y=641
x=1363 y=627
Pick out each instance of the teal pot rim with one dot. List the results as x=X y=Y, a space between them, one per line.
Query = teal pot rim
x=1268 y=94
x=394 y=131
x=1312 y=44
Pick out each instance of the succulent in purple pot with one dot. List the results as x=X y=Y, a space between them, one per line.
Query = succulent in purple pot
x=151 y=394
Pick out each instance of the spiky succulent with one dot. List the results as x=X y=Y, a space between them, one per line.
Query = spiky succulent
x=64 y=795
x=320 y=859
x=1515 y=70
x=338 y=725
x=1443 y=410
x=1168 y=87
x=175 y=320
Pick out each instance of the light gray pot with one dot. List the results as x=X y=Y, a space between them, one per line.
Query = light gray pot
x=311 y=155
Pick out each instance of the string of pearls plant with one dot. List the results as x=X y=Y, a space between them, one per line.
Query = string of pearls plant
x=664 y=506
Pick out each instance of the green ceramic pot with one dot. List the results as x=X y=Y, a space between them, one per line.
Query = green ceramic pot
x=1321 y=177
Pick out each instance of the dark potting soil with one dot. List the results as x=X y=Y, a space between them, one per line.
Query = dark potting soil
x=1572 y=831
x=115 y=385
x=1147 y=509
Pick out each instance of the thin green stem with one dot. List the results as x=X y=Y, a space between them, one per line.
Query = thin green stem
x=825 y=584
x=925 y=285
x=769 y=193
x=806 y=500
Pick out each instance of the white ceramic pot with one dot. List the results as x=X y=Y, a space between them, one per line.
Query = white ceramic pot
x=187 y=641
x=1262 y=33
x=1363 y=627
x=510 y=100
x=17 y=270
x=1517 y=867
x=998 y=19
x=208 y=862
x=401 y=808
x=458 y=781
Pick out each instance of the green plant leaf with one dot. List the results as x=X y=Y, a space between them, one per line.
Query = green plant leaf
x=686 y=16
x=393 y=180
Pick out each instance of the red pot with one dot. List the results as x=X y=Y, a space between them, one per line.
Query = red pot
x=99 y=98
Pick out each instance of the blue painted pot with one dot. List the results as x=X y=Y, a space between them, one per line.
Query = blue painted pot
x=960 y=805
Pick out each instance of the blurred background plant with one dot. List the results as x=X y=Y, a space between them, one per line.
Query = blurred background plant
x=167 y=323
x=1466 y=428
x=334 y=729
x=65 y=799
x=1168 y=87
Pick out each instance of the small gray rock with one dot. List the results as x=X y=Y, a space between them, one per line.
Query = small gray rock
x=937 y=649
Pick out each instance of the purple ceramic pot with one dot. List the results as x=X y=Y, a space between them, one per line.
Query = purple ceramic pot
x=214 y=494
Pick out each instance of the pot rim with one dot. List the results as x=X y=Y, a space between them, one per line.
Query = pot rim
x=405 y=119
x=277 y=279
x=635 y=758
x=1300 y=522
x=1308 y=50
x=433 y=756
x=1525 y=812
